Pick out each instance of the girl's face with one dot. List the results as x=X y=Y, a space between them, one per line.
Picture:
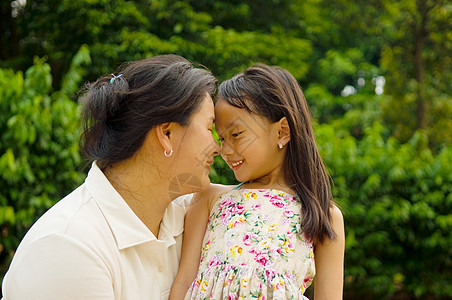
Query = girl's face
x=249 y=143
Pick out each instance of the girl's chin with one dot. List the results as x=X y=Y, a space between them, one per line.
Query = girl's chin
x=241 y=178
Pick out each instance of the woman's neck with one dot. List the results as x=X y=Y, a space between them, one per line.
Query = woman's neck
x=143 y=190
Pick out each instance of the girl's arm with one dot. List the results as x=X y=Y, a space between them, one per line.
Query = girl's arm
x=195 y=226
x=329 y=261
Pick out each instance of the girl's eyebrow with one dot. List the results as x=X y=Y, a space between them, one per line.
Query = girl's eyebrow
x=231 y=123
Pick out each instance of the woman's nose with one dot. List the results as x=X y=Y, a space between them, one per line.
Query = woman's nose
x=216 y=148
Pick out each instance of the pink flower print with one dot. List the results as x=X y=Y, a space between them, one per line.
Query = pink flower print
x=228 y=283
x=291 y=277
x=207 y=246
x=236 y=220
x=237 y=209
x=229 y=267
x=288 y=246
x=307 y=279
x=261 y=258
x=226 y=203
x=280 y=285
x=288 y=213
x=247 y=239
x=198 y=281
x=276 y=252
x=250 y=237
x=277 y=202
x=226 y=215
x=256 y=207
x=214 y=262
x=232 y=297
x=270 y=275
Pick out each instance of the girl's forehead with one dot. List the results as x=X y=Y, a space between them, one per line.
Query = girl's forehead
x=241 y=119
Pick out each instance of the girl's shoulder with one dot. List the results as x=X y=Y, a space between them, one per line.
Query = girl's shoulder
x=211 y=195
x=216 y=190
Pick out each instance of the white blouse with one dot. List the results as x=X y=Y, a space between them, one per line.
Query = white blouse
x=91 y=245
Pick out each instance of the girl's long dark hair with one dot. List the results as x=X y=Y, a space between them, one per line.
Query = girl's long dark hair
x=274 y=93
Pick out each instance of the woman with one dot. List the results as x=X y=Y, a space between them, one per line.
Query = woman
x=118 y=235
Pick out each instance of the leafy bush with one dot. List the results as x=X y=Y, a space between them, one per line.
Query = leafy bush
x=39 y=155
x=397 y=205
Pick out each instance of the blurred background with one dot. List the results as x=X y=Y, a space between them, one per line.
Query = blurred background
x=377 y=76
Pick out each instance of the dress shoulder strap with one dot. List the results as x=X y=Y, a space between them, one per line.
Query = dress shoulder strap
x=238 y=186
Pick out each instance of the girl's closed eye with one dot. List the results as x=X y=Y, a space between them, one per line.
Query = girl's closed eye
x=237 y=134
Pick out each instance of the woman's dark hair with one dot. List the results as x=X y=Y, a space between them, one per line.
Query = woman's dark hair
x=274 y=93
x=119 y=110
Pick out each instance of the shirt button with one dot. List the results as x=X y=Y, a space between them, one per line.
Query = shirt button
x=160 y=269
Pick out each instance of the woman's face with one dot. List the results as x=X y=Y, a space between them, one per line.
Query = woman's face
x=195 y=151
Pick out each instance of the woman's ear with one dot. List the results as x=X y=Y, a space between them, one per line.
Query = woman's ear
x=163 y=132
x=283 y=131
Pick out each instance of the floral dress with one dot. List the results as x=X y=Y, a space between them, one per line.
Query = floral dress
x=254 y=248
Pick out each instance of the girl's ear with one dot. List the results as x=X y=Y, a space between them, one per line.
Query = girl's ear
x=283 y=131
x=163 y=132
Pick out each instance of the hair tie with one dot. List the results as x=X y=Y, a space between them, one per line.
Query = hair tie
x=114 y=77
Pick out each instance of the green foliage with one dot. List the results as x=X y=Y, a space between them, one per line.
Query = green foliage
x=417 y=58
x=397 y=204
x=39 y=155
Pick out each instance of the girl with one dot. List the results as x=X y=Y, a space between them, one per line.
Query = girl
x=262 y=235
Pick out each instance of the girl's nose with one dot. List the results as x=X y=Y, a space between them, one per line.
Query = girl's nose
x=226 y=149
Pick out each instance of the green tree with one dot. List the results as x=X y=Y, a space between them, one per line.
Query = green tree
x=417 y=58
x=39 y=156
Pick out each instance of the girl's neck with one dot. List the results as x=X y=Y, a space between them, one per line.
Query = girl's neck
x=271 y=182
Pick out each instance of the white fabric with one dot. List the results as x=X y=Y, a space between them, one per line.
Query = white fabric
x=91 y=245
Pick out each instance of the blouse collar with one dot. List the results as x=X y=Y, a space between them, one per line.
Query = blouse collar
x=125 y=225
